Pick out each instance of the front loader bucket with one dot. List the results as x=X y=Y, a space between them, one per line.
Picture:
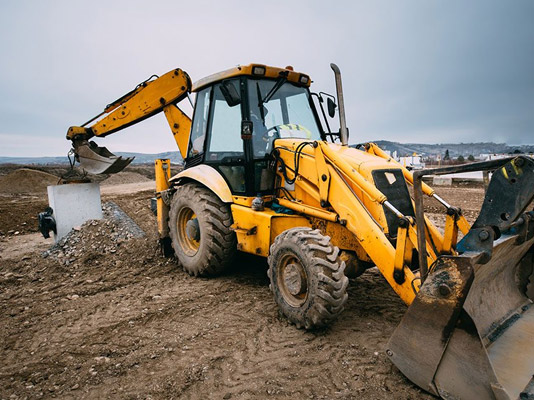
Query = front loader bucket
x=99 y=160
x=469 y=334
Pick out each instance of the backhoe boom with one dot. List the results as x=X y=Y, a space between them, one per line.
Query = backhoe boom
x=149 y=98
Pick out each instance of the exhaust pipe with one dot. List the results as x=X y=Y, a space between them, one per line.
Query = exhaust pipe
x=344 y=132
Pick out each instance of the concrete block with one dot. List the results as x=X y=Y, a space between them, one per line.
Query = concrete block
x=442 y=181
x=73 y=204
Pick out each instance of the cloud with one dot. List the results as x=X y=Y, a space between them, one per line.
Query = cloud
x=412 y=71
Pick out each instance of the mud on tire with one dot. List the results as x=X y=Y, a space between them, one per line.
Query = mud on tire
x=199 y=224
x=307 y=277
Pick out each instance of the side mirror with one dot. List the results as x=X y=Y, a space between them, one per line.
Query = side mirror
x=230 y=93
x=331 y=107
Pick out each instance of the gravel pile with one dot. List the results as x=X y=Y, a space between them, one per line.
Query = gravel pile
x=96 y=236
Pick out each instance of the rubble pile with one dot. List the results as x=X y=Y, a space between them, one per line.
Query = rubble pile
x=96 y=236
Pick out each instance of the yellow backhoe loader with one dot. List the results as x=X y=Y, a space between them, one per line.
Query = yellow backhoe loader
x=264 y=174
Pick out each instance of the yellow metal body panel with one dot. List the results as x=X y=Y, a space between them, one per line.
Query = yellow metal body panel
x=354 y=198
x=309 y=210
x=353 y=218
x=370 y=235
x=209 y=177
x=451 y=234
x=372 y=148
x=270 y=72
x=353 y=215
x=167 y=89
x=144 y=101
x=247 y=200
x=180 y=126
x=340 y=236
x=163 y=175
x=322 y=171
x=354 y=165
x=76 y=131
x=463 y=225
x=403 y=251
x=256 y=230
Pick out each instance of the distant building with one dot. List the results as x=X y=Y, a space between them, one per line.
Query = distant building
x=412 y=162
x=494 y=156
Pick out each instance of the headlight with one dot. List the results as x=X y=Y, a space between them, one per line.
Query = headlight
x=303 y=79
x=256 y=70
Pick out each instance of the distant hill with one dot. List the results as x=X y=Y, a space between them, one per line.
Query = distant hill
x=455 y=149
x=140 y=158
x=402 y=149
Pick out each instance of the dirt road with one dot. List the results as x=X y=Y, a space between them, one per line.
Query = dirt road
x=131 y=324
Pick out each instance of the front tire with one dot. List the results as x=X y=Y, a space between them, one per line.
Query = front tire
x=307 y=277
x=199 y=224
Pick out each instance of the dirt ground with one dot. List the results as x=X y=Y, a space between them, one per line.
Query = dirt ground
x=125 y=322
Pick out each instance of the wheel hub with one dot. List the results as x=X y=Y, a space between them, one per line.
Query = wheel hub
x=294 y=280
x=192 y=229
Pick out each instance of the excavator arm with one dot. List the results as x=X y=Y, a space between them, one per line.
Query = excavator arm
x=148 y=98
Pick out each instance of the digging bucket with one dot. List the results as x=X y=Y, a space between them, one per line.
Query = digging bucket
x=469 y=334
x=99 y=160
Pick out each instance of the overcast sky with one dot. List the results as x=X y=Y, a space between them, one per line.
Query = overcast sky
x=413 y=71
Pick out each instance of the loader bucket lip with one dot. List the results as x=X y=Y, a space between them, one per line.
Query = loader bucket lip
x=469 y=332
x=476 y=341
x=99 y=160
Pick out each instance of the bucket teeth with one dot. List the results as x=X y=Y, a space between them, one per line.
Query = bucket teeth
x=99 y=160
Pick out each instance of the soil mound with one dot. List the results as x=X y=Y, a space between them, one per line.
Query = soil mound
x=26 y=180
x=125 y=177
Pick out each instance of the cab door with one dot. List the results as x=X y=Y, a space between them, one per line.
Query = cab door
x=224 y=148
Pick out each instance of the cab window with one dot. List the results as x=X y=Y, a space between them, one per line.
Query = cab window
x=225 y=128
x=200 y=123
x=225 y=147
x=287 y=114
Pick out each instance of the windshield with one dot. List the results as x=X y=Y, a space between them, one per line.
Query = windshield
x=286 y=114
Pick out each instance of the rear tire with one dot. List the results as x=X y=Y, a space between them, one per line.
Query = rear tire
x=199 y=224
x=307 y=277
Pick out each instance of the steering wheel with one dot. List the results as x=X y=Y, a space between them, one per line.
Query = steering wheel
x=264 y=140
x=273 y=133
x=306 y=134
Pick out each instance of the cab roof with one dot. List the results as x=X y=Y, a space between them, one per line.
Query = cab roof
x=256 y=71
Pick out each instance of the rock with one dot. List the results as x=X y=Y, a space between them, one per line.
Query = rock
x=442 y=181
x=102 y=236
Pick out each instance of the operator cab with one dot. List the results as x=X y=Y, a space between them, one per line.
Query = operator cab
x=239 y=114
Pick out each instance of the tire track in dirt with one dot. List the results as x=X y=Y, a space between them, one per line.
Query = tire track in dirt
x=132 y=324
